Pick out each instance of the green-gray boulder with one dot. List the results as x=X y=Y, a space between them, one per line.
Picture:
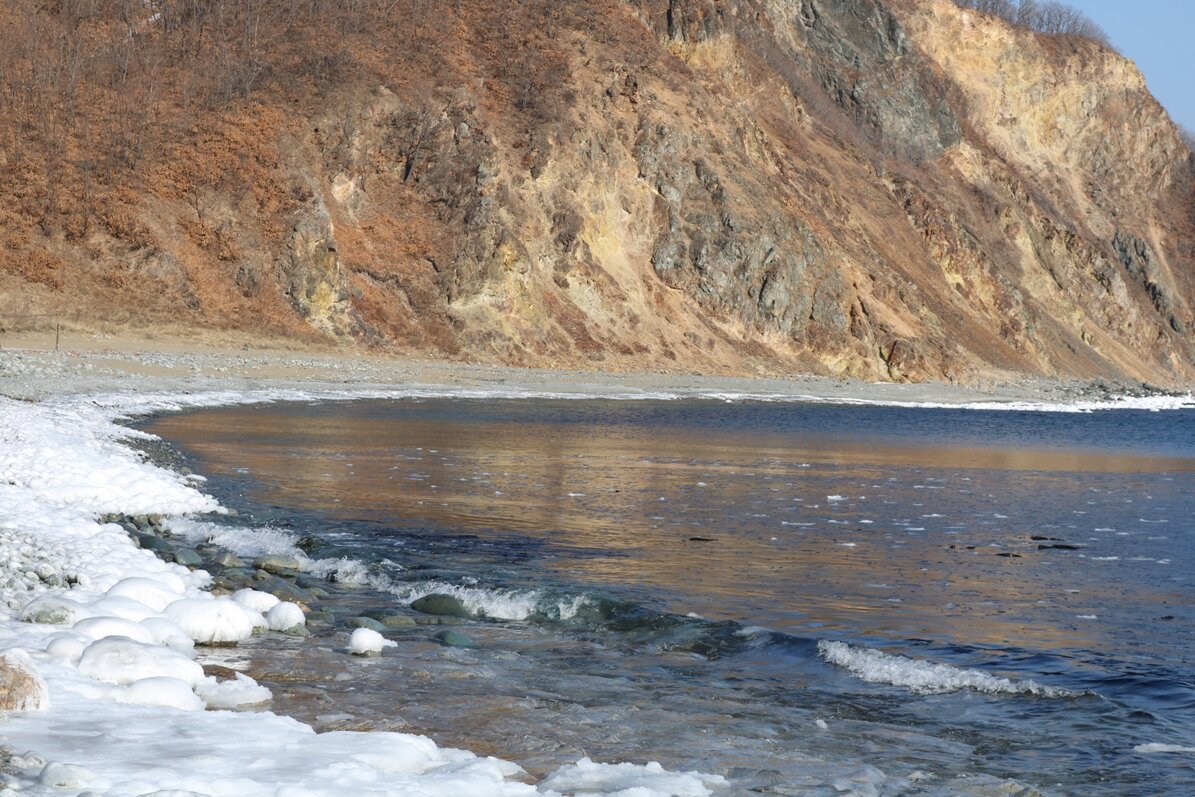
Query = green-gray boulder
x=440 y=604
x=454 y=639
x=365 y=622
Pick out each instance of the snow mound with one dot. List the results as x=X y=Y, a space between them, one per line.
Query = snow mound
x=157 y=594
x=285 y=616
x=100 y=627
x=161 y=690
x=52 y=610
x=120 y=606
x=67 y=645
x=213 y=621
x=122 y=661
x=238 y=693
x=366 y=642
x=255 y=599
x=167 y=632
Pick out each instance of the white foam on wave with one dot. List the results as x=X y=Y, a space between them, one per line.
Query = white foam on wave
x=926 y=677
x=1158 y=747
x=483 y=602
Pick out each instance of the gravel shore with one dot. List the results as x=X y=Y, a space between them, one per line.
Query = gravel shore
x=30 y=372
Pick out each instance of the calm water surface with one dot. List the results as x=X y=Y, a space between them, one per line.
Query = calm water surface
x=652 y=581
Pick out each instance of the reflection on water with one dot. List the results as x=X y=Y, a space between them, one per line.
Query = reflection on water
x=787 y=528
x=1053 y=547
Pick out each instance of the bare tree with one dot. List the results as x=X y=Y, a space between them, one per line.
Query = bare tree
x=1188 y=137
x=1005 y=9
x=1042 y=16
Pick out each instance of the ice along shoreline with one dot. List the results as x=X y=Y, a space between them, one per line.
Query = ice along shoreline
x=110 y=711
x=100 y=633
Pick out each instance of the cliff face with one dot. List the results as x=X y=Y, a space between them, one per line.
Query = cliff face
x=891 y=190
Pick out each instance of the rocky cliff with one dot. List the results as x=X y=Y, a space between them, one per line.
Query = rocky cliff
x=889 y=189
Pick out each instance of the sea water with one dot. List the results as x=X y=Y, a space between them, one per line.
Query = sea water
x=806 y=599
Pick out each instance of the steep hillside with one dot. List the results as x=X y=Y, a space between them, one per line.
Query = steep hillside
x=891 y=190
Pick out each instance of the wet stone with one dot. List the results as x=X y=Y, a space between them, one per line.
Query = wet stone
x=151 y=543
x=310 y=582
x=454 y=639
x=365 y=622
x=441 y=604
x=284 y=590
x=188 y=557
x=277 y=565
x=433 y=620
x=229 y=560
x=397 y=621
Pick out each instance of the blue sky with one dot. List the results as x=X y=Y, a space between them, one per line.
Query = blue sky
x=1160 y=36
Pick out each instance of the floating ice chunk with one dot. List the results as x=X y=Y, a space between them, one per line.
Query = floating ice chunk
x=367 y=642
x=285 y=616
x=1157 y=747
x=650 y=780
x=215 y=621
x=924 y=677
x=256 y=600
x=100 y=627
x=122 y=661
x=161 y=690
x=234 y=693
x=154 y=593
x=835 y=498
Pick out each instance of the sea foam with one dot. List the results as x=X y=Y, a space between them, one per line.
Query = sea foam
x=925 y=677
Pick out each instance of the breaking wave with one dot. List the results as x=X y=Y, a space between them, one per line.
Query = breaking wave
x=926 y=677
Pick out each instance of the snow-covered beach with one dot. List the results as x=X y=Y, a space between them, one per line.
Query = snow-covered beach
x=98 y=636
x=98 y=642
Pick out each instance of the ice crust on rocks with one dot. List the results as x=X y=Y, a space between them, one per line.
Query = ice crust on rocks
x=589 y=777
x=109 y=630
x=256 y=600
x=285 y=616
x=367 y=642
x=215 y=621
